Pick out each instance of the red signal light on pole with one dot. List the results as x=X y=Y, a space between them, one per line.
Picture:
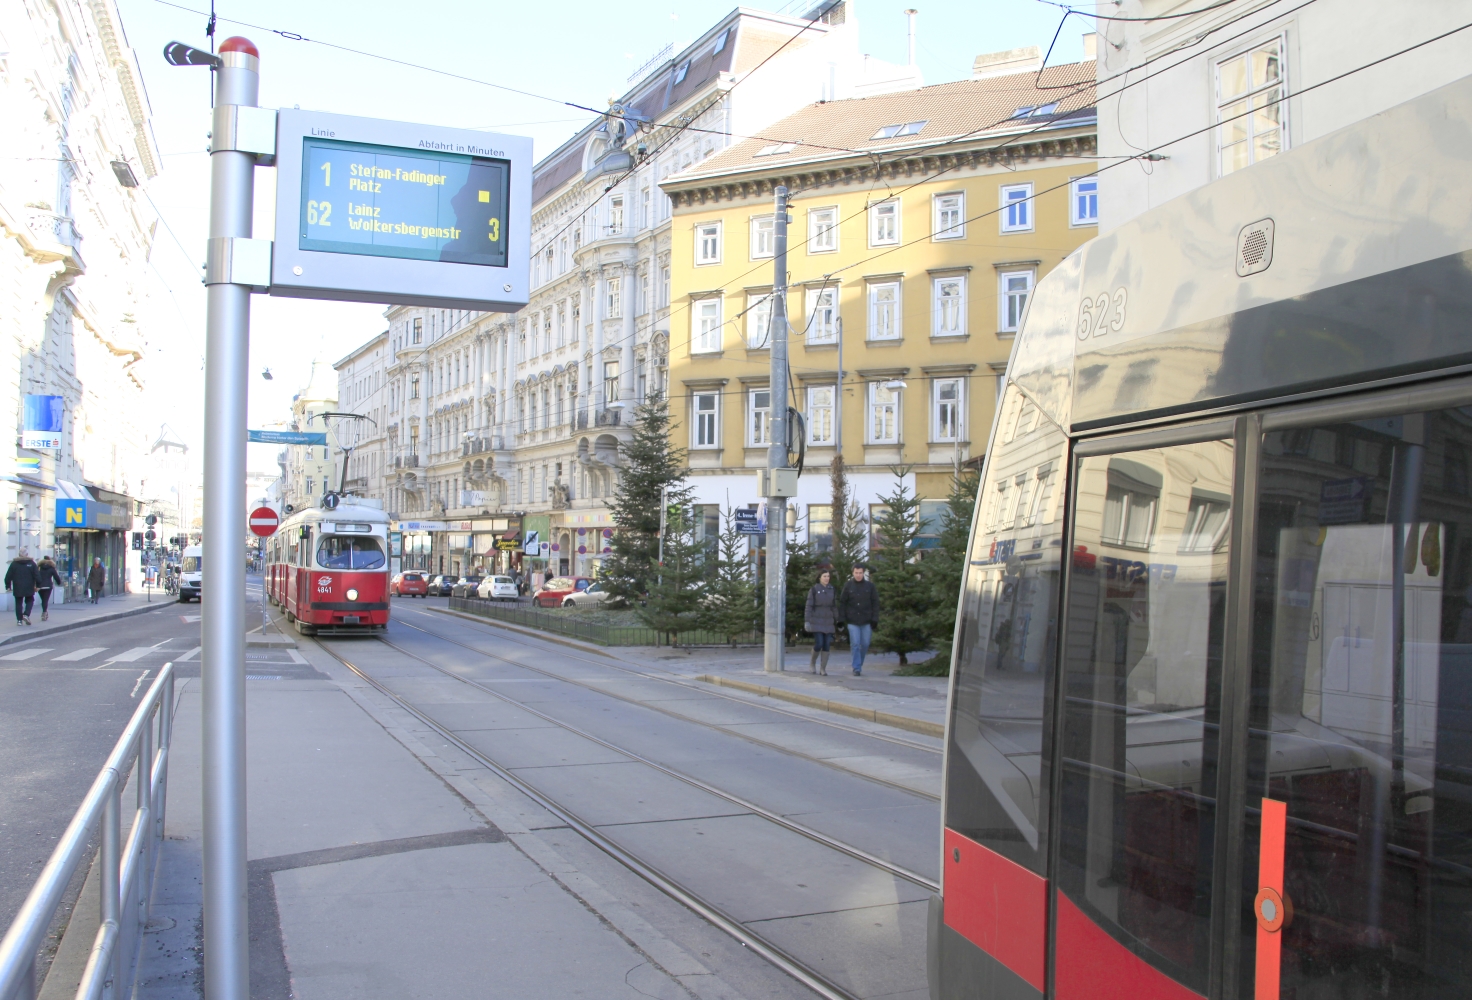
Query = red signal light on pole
x=264 y=521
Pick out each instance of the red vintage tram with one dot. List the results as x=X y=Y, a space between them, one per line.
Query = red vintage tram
x=1210 y=728
x=327 y=568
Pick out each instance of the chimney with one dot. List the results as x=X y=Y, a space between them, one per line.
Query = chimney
x=990 y=64
x=910 y=17
x=1091 y=46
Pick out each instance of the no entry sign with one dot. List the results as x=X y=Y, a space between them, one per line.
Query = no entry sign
x=263 y=521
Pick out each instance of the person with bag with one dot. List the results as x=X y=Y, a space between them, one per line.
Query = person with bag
x=96 y=577
x=818 y=618
x=46 y=579
x=20 y=580
x=858 y=607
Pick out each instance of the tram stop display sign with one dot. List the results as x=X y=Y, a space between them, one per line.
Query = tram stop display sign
x=379 y=211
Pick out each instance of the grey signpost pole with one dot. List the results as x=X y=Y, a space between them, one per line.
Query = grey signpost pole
x=776 y=623
x=222 y=681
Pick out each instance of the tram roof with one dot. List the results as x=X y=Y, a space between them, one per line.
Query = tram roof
x=1369 y=280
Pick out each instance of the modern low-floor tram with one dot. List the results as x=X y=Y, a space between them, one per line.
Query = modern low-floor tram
x=1210 y=727
x=328 y=568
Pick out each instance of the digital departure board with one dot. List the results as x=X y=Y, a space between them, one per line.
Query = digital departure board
x=386 y=202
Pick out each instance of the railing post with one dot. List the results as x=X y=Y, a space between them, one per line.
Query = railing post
x=110 y=876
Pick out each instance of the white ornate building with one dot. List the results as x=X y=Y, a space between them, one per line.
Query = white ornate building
x=308 y=471
x=503 y=424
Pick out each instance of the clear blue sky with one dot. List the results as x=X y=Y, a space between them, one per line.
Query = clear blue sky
x=575 y=52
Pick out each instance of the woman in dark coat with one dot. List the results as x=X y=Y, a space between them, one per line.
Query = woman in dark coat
x=818 y=618
x=96 y=578
x=46 y=578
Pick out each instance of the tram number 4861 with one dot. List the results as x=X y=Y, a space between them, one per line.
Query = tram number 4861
x=1097 y=316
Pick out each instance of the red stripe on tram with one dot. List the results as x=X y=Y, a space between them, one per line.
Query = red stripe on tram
x=1269 y=906
x=997 y=905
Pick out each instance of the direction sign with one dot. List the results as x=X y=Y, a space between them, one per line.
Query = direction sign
x=264 y=521
x=286 y=437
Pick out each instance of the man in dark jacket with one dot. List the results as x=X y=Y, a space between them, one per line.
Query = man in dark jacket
x=858 y=607
x=21 y=579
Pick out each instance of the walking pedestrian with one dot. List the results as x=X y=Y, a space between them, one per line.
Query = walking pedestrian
x=96 y=577
x=46 y=578
x=818 y=618
x=20 y=580
x=858 y=607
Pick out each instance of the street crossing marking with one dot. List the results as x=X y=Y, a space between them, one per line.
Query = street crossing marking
x=24 y=654
x=190 y=619
x=193 y=654
x=136 y=653
x=296 y=657
x=80 y=654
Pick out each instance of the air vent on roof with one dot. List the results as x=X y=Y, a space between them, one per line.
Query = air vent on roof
x=1254 y=247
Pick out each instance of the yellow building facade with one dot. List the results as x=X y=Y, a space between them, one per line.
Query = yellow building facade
x=919 y=224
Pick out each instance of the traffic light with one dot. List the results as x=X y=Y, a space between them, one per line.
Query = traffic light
x=149 y=535
x=151 y=520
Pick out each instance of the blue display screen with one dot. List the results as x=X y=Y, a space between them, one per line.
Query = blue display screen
x=388 y=201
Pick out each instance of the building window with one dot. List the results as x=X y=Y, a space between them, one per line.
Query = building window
x=823 y=230
x=664 y=286
x=705 y=406
x=418 y=330
x=884 y=310
x=610 y=381
x=414 y=387
x=759 y=425
x=1249 y=91
x=1083 y=202
x=759 y=320
x=1013 y=289
x=884 y=224
x=644 y=303
x=644 y=217
x=309 y=486
x=721 y=41
x=763 y=236
x=681 y=72
x=707 y=326
x=615 y=217
x=562 y=324
x=820 y=527
x=822 y=315
x=950 y=216
x=946 y=409
x=1016 y=208
x=895 y=131
x=615 y=298
x=577 y=318
x=708 y=243
x=884 y=414
x=820 y=415
x=1129 y=512
x=948 y=310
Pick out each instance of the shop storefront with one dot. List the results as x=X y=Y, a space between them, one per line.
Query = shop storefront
x=88 y=529
x=418 y=544
x=486 y=556
x=583 y=540
x=536 y=549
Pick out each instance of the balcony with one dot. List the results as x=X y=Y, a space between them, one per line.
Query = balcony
x=608 y=418
x=55 y=237
x=406 y=461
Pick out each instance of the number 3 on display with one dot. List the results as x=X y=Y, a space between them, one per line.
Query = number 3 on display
x=318 y=212
x=495 y=230
x=1094 y=315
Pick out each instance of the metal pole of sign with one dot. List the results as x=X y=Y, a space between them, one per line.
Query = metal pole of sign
x=227 y=336
x=776 y=619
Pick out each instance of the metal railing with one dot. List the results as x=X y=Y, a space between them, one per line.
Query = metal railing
x=604 y=634
x=124 y=866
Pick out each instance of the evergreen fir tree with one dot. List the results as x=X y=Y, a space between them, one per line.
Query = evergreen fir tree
x=802 y=573
x=944 y=567
x=731 y=606
x=652 y=468
x=850 y=531
x=673 y=597
x=904 y=603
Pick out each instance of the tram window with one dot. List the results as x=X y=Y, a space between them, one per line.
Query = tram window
x=1361 y=719
x=349 y=552
x=1005 y=652
x=1141 y=681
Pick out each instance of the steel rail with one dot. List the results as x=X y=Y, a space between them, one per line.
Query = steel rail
x=705 y=689
x=707 y=911
x=857 y=853
x=123 y=865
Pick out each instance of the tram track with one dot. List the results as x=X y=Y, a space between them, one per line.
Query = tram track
x=780 y=957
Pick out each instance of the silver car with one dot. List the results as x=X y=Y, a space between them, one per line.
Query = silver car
x=593 y=596
x=498 y=588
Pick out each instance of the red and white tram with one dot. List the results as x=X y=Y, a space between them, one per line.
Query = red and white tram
x=327 y=568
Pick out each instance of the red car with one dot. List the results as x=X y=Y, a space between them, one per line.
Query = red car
x=555 y=589
x=409 y=585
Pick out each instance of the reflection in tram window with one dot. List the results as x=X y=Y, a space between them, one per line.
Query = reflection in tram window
x=350 y=552
x=1141 y=684
x=1007 y=642
x=1361 y=719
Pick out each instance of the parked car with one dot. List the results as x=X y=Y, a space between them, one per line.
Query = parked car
x=439 y=586
x=467 y=586
x=554 y=590
x=409 y=585
x=498 y=588
x=591 y=597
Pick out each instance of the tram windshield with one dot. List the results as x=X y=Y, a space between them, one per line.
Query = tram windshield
x=350 y=552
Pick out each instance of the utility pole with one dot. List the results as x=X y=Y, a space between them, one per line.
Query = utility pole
x=776 y=624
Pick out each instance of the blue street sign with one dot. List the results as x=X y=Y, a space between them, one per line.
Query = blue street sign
x=286 y=437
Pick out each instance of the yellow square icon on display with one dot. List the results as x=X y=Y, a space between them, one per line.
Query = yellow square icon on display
x=485 y=196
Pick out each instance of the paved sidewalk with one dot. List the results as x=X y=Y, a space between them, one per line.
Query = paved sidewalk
x=383 y=864
x=80 y=612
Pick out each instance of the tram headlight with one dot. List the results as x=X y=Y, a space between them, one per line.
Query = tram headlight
x=352 y=595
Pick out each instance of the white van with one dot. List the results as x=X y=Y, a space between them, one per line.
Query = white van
x=190 y=569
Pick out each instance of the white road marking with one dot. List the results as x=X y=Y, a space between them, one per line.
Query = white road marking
x=190 y=619
x=131 y=655
x=80 y=654
x=139 y=684
x=24 y=654
x=296 y=657
x=193 y=654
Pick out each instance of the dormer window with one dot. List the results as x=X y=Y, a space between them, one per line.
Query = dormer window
x=1035 y=110
x=776 y=148
x=680 y=73
x=895 y=131
x=721 y=40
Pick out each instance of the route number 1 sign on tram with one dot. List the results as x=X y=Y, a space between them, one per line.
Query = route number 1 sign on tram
x=264 y=521
x=379 y=211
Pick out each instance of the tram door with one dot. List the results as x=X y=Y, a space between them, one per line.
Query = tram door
x=1288 y=813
